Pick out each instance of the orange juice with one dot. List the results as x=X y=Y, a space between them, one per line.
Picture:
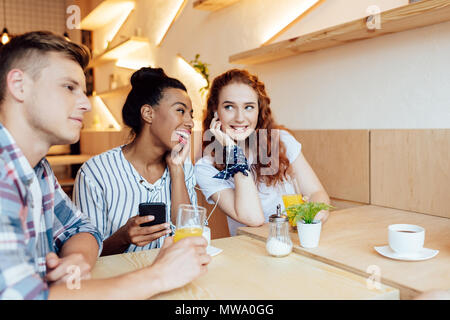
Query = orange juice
x=292 y=199
x=187 y=232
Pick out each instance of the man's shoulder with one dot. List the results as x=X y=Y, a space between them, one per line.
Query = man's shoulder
x=11 y=188
x=8 y=173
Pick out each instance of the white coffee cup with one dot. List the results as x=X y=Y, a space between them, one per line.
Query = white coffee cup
x=406 y=238
x=207 y=234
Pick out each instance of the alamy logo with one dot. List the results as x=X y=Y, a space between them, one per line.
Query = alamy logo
x=374 y=280
x=74 y=19
x=73 y=281
x=374 y=19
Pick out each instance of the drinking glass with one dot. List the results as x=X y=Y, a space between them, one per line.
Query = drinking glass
x=190 y=221
x=289 y=198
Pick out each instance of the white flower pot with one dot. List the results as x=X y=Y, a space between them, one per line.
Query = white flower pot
x=309 y=234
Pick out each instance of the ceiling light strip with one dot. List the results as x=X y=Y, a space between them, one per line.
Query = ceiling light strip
x=298 y=18
x=198 y=75
x=107 y=113
x=178 y=12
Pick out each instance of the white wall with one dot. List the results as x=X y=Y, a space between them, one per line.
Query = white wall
x=395 y=81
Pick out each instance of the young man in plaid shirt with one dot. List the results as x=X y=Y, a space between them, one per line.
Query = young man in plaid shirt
x=44 y=239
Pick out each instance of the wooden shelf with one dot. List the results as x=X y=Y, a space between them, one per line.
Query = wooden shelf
x=213 y=5
x=411 y=16
x=99 y=131
x=68 y=159
x=122 y=50
x=106 y=12
x=117 y=91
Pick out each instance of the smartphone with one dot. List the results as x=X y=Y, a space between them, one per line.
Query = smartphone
x=156 y=209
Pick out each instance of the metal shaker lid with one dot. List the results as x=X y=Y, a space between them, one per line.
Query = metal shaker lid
x=278 y=217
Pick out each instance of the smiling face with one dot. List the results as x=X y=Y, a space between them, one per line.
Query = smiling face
x=238 y=110
x=172 y=118
x=56 y=100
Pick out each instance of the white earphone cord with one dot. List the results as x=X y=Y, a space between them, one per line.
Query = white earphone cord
x=217 y=202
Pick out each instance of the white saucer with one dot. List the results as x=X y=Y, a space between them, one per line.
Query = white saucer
x=423 y=254
x=213 y=251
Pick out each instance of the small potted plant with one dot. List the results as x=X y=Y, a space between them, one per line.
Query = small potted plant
x=302 y=216
x=202 y=68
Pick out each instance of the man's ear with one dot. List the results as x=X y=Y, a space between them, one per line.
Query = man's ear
x=147 y=113
x=15 y=84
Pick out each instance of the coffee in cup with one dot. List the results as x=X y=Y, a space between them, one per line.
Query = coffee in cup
x=406 y=238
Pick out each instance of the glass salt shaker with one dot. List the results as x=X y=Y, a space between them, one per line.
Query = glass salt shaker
x=279 y=242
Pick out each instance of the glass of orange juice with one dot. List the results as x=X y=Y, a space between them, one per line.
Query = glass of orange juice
x=292 y=198
x=190 y=221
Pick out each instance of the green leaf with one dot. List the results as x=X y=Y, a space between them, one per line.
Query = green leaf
x=202 y=68
x=306 y=211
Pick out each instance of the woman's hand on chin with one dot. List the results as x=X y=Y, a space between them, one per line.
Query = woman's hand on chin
x=176 y=157
x=216 y=129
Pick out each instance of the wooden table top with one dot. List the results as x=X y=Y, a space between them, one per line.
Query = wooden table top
x=349 y=236
x=244 y=270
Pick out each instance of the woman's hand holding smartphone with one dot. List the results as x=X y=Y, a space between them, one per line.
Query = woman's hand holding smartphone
x=134 y=233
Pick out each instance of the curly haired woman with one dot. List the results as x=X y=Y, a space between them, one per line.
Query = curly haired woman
x=249 y=161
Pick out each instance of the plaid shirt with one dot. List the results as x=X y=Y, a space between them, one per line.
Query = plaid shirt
x=25 y=242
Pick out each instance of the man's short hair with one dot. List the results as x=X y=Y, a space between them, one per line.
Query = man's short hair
x=26 y=52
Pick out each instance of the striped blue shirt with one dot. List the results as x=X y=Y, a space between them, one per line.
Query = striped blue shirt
x=109 y=190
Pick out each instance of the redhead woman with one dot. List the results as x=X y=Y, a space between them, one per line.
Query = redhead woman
x=154 y=167
x=249 y=161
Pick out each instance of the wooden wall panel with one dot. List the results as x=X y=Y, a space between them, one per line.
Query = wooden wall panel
x=96 y=142
x=340 y=158
x=196 y=145
x=339 y=204
x=218 y=220
x=410 y=170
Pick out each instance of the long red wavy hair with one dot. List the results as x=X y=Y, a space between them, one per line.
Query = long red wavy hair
x=265 y=121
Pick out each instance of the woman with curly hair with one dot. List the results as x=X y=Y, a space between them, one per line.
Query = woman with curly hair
x=249 y=161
